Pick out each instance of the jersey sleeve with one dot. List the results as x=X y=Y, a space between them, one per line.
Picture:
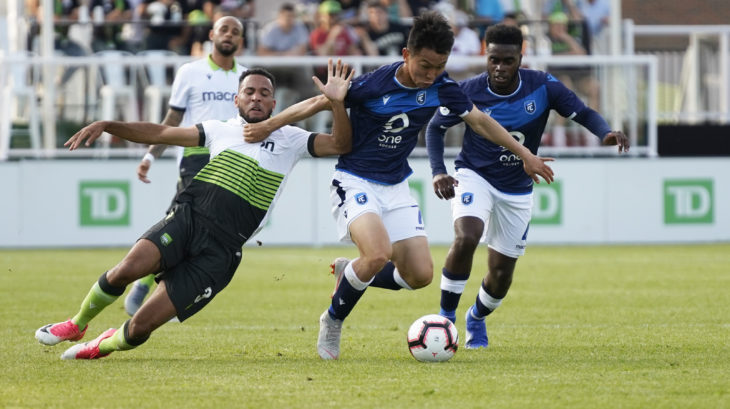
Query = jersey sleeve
x=358 y=91
x=180 y=91
x=562 y=99
x=452 y=97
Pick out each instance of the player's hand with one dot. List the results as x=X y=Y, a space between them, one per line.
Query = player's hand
x=89 y=133
x=338 y=81
x=537 y=166
x=142 y=169
x=256 y=132
x=617 y=138
x=443 y=186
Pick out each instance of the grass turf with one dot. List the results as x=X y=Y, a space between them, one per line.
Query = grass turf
x=583 y=327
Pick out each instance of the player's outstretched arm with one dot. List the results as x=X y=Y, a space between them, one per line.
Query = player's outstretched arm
x=338 y=82
x=140 y=132
x=487 y=127
x=259 y=131
x=443 y=183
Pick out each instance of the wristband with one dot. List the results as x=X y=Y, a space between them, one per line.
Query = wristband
x=149 y=157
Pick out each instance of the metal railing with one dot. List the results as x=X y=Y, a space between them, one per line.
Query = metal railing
x=628 y=89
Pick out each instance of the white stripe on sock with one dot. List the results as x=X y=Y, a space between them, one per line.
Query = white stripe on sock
x=453 y=286
x=488 y=301
x=400 y=281
x=354 y=281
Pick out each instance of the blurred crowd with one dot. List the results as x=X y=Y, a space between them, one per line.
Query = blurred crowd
x=329 y=28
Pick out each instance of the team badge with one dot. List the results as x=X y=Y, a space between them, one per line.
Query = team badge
x=361 y=198
x=467 y=198
x=421 y=97
x=530 y=106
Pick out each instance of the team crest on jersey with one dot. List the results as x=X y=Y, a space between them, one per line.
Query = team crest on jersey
x=361 y=198
x=467 y=198
x=488 y=111
x=530 y=106
x=421 y=97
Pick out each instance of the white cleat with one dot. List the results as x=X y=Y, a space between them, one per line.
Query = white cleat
x=328 y=342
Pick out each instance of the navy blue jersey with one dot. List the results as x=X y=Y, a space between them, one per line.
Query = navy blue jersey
x=386 y=118
x=523 y=114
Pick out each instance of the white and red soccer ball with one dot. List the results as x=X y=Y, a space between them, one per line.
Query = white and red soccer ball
x=433 y=338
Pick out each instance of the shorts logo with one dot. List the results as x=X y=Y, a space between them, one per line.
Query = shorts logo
x=530 y=107
x=467 y=198
x=361 y=198
x=206 y=294
x=421 y=97
x=165 y=239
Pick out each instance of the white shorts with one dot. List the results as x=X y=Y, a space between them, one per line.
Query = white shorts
x=507 y=216
x=353 y=196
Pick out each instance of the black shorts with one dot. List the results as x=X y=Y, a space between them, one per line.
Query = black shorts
x=194 y=265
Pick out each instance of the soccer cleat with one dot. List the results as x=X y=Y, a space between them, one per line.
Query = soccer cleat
x=338 y=270
x=89 y=350
x=135 y=298
x=52 y=334
x=328 y=342
x=451 y=315
x=476 y=332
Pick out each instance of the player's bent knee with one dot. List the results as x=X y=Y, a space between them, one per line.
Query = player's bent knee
x=466 y=242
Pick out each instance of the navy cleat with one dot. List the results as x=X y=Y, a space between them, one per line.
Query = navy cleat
x=476 y=332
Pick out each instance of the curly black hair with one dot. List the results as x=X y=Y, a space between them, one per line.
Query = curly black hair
x=257 y=71
x=503 y=34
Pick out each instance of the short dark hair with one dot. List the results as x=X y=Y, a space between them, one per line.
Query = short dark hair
x=431 y=30
x=287 y=7
x=257 y=71
x=503 y=34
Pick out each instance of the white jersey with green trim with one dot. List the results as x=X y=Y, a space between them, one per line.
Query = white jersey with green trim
x=237 y=189
x=204 y=91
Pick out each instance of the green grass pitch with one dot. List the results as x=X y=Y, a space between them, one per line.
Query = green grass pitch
x=582 y=327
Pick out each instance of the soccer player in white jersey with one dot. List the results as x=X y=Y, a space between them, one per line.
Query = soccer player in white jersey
x=196 y=249
x=371 y=201
x=492 y=191
x=203 y=89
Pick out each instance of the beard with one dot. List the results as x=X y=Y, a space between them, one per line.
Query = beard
x=225 y=52
x=250 y=120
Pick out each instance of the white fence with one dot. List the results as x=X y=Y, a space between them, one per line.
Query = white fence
x=132 y=87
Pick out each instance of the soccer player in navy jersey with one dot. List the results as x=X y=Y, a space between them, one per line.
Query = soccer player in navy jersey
x=489 y=187
x=371 y=200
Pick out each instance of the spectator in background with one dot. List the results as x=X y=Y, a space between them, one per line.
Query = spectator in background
x=243 y=9
x=350 y=12
x=287 y=35
x=166 y=30
x=397 y=9
x=380 y=36
x=596 y=14
x=419 y=6
x=65 y=12
x=332 y=37
x=466 y=43
x=107 y=35
x=580 y=78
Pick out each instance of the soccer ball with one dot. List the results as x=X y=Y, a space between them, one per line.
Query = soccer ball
x=433 y=338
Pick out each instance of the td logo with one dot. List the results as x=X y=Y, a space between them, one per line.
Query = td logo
x=547 y=206
x=104 y=203
x=688 y=201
